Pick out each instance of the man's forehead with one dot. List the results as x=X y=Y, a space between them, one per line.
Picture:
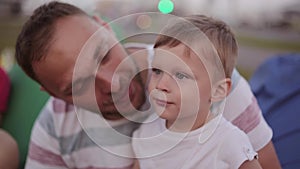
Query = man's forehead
x=76 y=22
x=74 y=37
x=74 y=27
x=81 y=32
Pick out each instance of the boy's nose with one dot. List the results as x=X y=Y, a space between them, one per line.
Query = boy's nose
x=163 y=83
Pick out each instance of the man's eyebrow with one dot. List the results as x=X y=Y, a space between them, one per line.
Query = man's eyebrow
x=96 y=56
x=100 y=52
x=96 y=53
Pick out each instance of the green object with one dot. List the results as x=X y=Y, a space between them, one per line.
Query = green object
x=115 y=27
x=165 y=6
x=25 y=102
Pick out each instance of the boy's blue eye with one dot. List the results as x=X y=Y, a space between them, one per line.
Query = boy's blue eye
x=156 y=71
x=180 y=76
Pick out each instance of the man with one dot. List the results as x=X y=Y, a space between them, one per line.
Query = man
x=51 y=43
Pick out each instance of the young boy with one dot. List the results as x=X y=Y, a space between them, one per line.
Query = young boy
x=192 y=67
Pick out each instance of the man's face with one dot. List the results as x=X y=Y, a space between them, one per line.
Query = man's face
x=103 y=73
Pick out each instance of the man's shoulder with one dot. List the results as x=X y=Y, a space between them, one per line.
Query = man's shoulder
x=53 y=111
x=58 y=118
x=56 y=105
x=239 y=100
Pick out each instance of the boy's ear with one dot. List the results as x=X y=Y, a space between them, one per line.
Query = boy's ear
x=101 y=22
x=220 y=90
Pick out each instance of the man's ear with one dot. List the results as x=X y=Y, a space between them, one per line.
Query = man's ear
x=220 y=90
x=45 y=90
x=102 y=23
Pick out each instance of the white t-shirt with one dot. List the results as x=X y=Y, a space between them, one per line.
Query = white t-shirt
x=225 y=148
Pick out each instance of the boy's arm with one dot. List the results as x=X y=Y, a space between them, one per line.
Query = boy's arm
x=268 y=158
x=254 y=164
x=136 y=164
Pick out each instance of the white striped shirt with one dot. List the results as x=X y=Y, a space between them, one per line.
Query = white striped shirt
x=58 y=140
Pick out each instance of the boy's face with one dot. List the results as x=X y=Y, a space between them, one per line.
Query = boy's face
x=93 y=84
x=179 y=87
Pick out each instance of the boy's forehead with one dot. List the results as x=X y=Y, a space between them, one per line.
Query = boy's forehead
x=200 y=57
x=176 y=55
x=174 y=59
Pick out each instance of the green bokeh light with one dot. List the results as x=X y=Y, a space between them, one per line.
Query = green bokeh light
x=165 y=6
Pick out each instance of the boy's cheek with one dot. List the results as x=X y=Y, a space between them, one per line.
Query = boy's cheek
x=151 y=85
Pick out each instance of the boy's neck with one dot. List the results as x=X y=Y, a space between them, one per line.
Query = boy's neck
x=184 y=125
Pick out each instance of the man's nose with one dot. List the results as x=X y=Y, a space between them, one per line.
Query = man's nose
x=115 y=83
x=164 y=82
x=108 y=82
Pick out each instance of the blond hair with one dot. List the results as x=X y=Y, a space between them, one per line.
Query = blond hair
x=219 y=34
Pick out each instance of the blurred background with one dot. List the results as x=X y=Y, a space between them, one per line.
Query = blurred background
x=264 y=29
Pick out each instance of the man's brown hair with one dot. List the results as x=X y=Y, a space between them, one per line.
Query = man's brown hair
x=217 y=32
x=37 y=33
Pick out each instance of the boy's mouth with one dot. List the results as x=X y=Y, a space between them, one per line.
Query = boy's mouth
x=161 y=102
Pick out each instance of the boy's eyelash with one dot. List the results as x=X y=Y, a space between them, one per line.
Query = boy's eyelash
x=178 y=75
x=156 y=71
x=181 y=75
